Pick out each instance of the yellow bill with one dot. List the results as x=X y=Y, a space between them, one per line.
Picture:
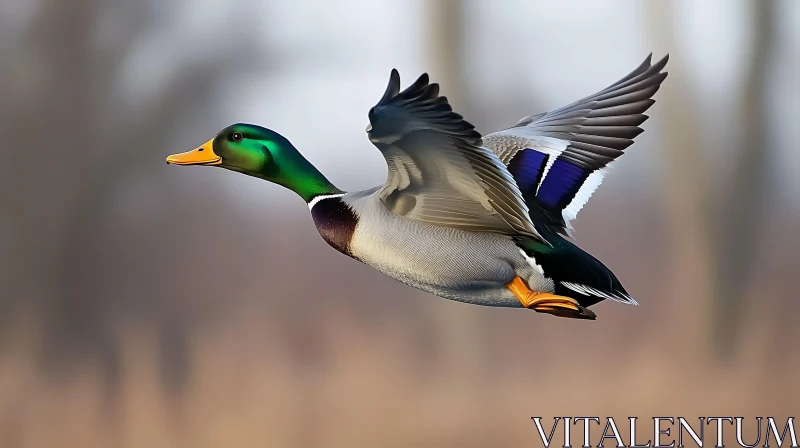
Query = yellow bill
x=203 y=155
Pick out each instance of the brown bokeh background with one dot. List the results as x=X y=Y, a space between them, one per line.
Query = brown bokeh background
x=143 y=305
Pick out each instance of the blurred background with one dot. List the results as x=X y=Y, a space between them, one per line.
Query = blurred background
x=149 y=305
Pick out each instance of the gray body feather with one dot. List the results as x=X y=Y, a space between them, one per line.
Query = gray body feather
x=456 y=264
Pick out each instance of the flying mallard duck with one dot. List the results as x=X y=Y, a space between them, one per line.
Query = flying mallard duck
x=472 y=219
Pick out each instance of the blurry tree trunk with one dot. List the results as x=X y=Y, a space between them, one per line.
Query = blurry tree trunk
x=446 y=52
x=715 y=267
x=459 y=332
x=745 y=205
x=54 y=122
x=692 y=258
x=70 y=144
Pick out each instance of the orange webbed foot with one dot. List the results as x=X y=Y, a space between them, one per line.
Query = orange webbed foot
x=543 y=302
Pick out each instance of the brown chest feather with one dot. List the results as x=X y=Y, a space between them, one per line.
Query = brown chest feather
x=336 y=222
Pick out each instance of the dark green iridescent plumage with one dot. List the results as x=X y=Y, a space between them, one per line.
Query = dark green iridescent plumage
x=270 y=156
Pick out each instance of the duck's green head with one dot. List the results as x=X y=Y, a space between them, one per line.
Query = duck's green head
x=262 y=153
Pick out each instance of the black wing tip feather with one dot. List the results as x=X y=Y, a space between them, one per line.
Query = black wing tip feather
x=393 y=88
x=661 y=62
x=418 y=107
x=647 y=65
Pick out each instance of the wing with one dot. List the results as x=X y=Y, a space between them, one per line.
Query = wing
x=438 y=172
x=558 y=158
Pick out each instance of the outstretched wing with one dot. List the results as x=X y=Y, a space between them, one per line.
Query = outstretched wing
x=438 y=172
x=558 y=158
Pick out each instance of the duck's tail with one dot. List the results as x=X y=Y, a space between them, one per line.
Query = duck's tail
x=579 y=275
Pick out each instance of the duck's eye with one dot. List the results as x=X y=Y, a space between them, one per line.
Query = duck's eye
x=237 y=137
